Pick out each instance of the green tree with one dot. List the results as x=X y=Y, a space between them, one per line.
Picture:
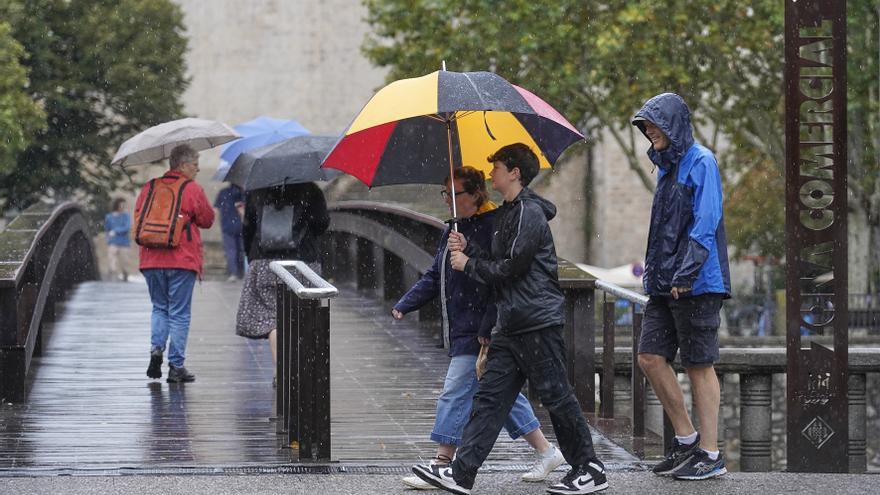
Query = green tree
x=597 y=62
x=20 y=117
x=102 y=71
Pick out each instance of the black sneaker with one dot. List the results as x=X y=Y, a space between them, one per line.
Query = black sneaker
x=440 y=476
x=180 y=375
x=677 y=457
x=589 y=478
x=701 y=467
x=154 y=370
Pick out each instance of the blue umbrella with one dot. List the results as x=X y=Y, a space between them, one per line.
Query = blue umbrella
x=256 y=133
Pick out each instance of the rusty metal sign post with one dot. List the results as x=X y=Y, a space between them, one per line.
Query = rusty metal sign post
x=816 y=230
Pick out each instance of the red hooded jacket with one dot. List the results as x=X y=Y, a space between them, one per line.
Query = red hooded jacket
x=188 y=255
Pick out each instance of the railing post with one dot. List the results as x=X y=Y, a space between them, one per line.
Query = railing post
x=366 y=265
x=606 y=406
x=580 y=339
x=392 y=276
x=755 y=417
x=304 y=313
x=638 y=378
x=858 y=461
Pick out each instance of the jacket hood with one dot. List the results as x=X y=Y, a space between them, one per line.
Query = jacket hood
x=546 y=206
x=670 y=113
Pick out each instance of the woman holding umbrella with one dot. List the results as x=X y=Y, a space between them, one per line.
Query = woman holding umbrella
x=468 y=314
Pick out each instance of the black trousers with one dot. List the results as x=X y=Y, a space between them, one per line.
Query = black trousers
x=538 y=356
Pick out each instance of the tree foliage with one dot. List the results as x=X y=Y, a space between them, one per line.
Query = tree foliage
x=597 y=62
x=20 y=117
x=102 y=70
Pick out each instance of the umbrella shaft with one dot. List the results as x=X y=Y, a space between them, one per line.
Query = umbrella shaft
x=451 y=176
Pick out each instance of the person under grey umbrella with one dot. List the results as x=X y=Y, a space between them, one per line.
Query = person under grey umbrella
x=291 y=161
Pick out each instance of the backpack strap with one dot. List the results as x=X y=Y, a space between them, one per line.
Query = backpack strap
x=144 y=208
x=176 y=213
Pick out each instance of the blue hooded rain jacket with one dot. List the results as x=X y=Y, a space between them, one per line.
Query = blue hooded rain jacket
x=687 y=247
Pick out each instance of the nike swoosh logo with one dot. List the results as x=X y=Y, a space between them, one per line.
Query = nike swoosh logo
x=583 y=483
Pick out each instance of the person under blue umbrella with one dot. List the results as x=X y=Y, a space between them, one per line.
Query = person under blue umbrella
x=255 y=133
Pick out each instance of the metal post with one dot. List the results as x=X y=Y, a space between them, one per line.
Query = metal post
x=580 y=340
x=816 y=234
x=606 y=406
x=638 y=378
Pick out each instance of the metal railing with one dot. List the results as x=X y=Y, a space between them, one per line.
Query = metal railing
x=638 y=384
x=755 y=367
x=303 y=364
x=385 y=249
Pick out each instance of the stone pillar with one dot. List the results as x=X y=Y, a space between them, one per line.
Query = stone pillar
x=755 y=416
x=653 y=412
x=622 y=395
x=858 y=461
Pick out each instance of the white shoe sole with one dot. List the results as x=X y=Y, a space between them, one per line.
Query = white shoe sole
x=714 y=474
x=417 y=483
x=439 y=483
x=591 y=489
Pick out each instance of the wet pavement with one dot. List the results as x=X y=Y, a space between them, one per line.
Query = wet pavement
x=91 y=409
x=621 y=482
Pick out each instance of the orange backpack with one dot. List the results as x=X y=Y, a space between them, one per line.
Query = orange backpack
x=159 y=223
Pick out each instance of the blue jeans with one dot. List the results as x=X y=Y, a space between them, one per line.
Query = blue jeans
x=171 y=293
x=454 y=405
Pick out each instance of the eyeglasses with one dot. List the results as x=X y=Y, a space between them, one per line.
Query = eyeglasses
x=445 y=194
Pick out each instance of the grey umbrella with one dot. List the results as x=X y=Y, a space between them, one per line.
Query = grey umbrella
x=291 y=161
x=156 y=143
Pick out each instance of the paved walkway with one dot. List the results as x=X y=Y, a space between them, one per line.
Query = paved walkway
x=92 y=410
x=621 y=482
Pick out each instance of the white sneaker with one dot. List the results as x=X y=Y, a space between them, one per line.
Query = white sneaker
x=417 y=483
x=544 y=465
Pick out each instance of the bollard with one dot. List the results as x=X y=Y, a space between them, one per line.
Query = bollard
x=303 y=346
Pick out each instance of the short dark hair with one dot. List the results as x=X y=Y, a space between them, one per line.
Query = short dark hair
x=117 y=202
x=518 y=155
x=473 y=181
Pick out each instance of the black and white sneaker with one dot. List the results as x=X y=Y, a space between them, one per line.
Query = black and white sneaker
x=441 y=477
x=677 y=457
x=589 y=478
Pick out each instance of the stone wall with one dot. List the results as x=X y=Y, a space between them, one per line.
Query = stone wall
x=282 y=58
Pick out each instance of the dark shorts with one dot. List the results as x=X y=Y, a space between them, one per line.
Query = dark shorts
x=689 y=324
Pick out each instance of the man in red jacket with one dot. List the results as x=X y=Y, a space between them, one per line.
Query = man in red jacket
x=171 y=272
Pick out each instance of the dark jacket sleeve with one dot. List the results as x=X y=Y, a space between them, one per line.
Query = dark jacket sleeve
x=318 y=219
x=519 y=250
x=489 y=319
x=427 y=287
x=249 y=222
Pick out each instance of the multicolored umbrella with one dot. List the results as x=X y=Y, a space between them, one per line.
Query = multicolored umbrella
x=415 y=131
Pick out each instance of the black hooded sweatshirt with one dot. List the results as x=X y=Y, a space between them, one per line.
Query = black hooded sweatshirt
x=521 y=267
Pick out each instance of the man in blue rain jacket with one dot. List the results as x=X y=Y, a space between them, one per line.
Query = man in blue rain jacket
x=686 y=278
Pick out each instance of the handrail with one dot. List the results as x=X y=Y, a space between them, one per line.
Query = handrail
x=47 y=250
x=321 y=289
x=620 y=292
